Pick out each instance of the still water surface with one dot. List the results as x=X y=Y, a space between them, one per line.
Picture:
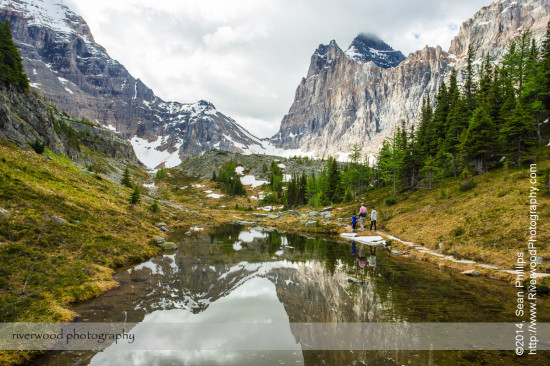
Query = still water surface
x=241 y=274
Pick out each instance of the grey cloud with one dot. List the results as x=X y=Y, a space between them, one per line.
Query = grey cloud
x=256 y=76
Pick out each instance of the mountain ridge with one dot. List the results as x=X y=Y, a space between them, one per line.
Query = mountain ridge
x=341 y=102
x=65 y=64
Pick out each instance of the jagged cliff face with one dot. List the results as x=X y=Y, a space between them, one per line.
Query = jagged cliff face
x=492 y=28
x=25 y=118
x=349 y=99
x=343 y=102
x=64 y=63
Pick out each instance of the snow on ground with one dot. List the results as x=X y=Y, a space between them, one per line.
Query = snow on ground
x=208 y=191
x=196 y=228
x=214 y=195
x=198 y=185
x=287 y=177
x=239 y=170
x=282 y=166
x=249 y=236
x=148 y=154
x=370 y=240
x=270 y=208
x=248 y=180
x=237 y=245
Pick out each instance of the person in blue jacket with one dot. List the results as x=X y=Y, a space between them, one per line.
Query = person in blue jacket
x=353 y=248
x=353 y=222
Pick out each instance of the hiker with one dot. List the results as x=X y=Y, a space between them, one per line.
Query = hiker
x=362 y=216
x=353 y=222
x=353 y=248
x=373 y=217
x=361 y=257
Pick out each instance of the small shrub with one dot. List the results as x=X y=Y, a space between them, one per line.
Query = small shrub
x=466 y=185
x=154 y=207
x=457 y=231
x=161 y=173
x=390 y=202
x=38 y=147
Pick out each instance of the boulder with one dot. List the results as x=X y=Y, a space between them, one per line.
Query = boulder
x=471 y=273
x=162 y=228
x=273 y=217
x=169 y=245
x=313 y=213
x=326 y=214
x=58 y=219
x=326 y=209
x=396 y=252
x=159 y=239
x=259 y=215
x=311 y=223
x=159 y=224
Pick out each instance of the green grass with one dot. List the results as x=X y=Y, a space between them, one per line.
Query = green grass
x=45 y=265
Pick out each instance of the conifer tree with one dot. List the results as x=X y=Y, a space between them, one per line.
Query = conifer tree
x=518 y=132
x=11 y=63
x=479 y=140
x=125 y=180
x=135 y=197
x=468 y=75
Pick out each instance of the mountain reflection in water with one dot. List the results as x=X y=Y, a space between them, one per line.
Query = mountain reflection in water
x=235 y=274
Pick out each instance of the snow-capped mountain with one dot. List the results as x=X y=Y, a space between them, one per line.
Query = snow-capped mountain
x=368 y=47
x=346 y=100
x=64 y=63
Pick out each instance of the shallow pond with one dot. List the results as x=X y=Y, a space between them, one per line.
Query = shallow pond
x=255 y=275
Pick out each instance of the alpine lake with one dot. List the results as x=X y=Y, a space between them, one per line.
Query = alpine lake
x=240 y=274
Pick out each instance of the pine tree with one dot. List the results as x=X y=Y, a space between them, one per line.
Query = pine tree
x=135 y=197
x=333 y=192
x=480 y=138
x=11 y=63
x=518 y=132
x=430 y=168
x=125 y=180
x=468 y=75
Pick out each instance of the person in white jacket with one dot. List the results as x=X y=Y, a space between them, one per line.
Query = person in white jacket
x=373 y=217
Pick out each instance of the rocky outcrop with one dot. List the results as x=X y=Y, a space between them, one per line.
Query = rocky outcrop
x=346 y=100
x=65 y=64
x=25 y=118
x=342 y=102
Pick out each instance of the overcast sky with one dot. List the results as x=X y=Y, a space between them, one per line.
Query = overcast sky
x=248 y=56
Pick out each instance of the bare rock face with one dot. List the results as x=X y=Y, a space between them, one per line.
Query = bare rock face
x=492 y=28
x=25 y=118
x=343 y=102
x=347 y=98
x=64 y=64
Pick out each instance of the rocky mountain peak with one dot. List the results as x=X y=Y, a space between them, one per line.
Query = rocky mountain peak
x=64 y=64
x=369 y=47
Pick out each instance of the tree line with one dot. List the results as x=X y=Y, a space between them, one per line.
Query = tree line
x=498 y=115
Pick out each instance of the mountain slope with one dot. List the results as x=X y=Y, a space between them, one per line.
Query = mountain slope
x=344 y=100
x=65 y=64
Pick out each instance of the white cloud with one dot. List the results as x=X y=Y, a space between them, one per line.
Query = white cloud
x=248 y=56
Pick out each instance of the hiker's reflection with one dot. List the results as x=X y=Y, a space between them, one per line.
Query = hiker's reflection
x=361 y=257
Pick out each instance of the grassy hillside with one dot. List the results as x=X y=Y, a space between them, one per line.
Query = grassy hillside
x=63 y=232
x=488 y=223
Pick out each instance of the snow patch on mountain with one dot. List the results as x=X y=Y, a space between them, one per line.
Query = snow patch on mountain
x=150 y=155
